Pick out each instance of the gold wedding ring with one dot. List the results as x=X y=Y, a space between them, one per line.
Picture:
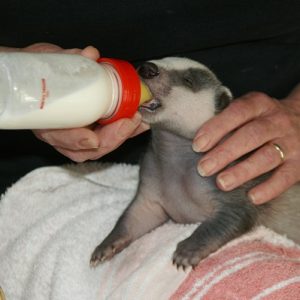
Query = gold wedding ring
x=280 y=151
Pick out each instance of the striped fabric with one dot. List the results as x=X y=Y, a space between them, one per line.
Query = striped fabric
x=246 y=270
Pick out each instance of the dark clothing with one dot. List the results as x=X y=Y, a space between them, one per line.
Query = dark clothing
x=251 y=45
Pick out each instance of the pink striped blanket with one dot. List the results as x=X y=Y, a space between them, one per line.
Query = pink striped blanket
x=247 y=270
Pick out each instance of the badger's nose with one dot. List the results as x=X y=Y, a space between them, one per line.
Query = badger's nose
x=148 y=70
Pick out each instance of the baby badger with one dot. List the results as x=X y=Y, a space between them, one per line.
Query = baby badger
x=186 y=94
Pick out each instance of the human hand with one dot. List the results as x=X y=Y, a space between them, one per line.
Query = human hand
x=89 y=51
x=92 y=142
x=255 y=122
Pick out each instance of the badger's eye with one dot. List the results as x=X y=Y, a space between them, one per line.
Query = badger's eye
x=188 y=81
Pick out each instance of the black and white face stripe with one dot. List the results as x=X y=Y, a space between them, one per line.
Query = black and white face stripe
x=193 y=79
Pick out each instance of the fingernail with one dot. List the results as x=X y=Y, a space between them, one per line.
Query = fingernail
x=89 y=144
x=226 y=181
x=255 y=198
x=206 y=167
x=200 y=143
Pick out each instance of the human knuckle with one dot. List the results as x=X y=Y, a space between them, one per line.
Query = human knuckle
x=224 y=155
x=74 y=51
x=262 y=100
x=255 y=131
x=284 y=120
x=293 y=145
x=288 y=176
x=269 y=157
x=239 y=108
x=256 y=95
x=243 y=171
x=294 y=133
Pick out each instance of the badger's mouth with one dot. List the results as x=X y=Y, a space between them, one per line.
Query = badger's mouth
x=151 y=105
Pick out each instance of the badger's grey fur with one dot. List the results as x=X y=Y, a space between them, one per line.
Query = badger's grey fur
x=186 y=94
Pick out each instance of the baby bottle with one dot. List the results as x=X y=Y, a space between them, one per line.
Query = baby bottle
x=51 y=90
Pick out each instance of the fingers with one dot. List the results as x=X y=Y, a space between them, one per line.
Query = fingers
x=281 y=180
x=249 y=127
x=72 y=139
x=42 y=47
x=263 y=160
x=238 y=113
x=76 y=155
x=89 y=51
x=246 y=139
x=83 y=144
x=113 y=135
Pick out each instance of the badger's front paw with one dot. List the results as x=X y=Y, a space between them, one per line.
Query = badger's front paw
x=107 y=249
x=189 y=252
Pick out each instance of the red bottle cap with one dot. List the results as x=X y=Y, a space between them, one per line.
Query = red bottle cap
x=131 y=89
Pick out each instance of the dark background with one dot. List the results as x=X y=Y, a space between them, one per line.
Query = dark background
x=251 y=45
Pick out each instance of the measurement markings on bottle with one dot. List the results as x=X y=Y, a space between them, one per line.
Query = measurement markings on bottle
x=45 y=93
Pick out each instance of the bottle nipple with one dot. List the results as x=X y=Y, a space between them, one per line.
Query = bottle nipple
x=145 y=93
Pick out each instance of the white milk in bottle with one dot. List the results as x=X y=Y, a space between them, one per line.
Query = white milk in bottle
x=50 y=90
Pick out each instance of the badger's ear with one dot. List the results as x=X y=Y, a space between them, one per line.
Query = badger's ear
x=223 y=99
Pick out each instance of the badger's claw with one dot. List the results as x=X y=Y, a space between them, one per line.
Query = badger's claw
x=189 y=253
x=105 y=251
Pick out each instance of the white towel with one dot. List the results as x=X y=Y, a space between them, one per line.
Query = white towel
x=51 y=221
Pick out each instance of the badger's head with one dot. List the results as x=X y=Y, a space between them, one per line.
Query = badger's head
x=185 y=95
